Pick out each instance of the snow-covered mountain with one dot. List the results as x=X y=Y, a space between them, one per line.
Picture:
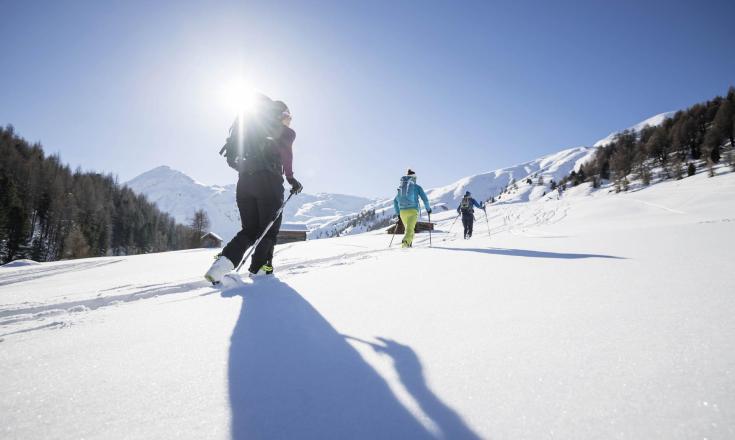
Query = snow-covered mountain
x=483 y=186
x=179 y=195
x=328 y=215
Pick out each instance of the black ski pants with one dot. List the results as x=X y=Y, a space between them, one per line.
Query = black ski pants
x=468 y=219
x=259 y=196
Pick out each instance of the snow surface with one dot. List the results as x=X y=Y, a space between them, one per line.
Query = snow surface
x=19 y=263
x=179 y=195
x=598 y=315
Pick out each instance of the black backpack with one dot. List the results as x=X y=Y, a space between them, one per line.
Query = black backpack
x=251 y=145
x=465 y=205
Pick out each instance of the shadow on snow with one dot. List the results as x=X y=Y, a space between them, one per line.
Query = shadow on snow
x=292 y=375
x=530 y=253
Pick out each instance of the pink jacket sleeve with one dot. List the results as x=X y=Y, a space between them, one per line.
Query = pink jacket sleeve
x=285 y=149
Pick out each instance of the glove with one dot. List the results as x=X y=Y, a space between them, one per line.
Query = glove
x=428 y=211
x=296 y=186
x=233 y=163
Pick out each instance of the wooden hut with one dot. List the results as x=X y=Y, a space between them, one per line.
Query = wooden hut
x=211 y=240
x=291 y=232
x=420 y=227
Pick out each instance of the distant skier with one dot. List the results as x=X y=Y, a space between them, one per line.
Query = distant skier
x=260 y=149
x=558 y=192
x=466 y=209
x=406 y=205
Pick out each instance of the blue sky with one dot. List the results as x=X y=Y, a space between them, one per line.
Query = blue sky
x=447 y=88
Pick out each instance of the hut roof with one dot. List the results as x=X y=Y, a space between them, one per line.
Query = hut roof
x=294 y=227
x=211 y=234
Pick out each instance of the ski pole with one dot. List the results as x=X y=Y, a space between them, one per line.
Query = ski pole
x=265 y=231
x=487 y=221
x=455 y=221
x=395 y=229
x=430 y=228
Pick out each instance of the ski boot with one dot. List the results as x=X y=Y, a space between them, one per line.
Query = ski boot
x=262 y=271
x=221 y=267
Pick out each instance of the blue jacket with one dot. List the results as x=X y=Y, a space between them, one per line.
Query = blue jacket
x=408 y=194
x=472 y=202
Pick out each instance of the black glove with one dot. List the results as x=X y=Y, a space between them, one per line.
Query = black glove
x=232 y=162
x=296 y=186
x=428 y=211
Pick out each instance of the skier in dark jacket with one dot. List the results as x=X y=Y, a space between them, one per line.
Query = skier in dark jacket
x=466 y=209
x=260 y=149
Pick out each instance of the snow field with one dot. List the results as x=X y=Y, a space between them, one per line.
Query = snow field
x=595 y=316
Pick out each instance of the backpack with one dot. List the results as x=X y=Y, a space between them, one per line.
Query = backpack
x=407 y=196
x=465 y=205
x=250 y=146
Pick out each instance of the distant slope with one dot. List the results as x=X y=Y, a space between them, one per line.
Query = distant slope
x=482 y=186
x=179 y=195
x=653 y=121
x=490 y=184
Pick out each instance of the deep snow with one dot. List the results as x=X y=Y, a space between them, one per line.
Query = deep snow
x=595 y=316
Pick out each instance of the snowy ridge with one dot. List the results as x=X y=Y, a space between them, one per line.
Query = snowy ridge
x=179 y=195
x=483 y=187
x=490 y=184
x=653 y=121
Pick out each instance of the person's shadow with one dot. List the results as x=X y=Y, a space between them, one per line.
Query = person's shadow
x=293 y=376
x=409 y=369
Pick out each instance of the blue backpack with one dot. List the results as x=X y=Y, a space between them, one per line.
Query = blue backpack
x=407 y=196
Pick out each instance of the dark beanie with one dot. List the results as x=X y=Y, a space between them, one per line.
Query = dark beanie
x=410 y=172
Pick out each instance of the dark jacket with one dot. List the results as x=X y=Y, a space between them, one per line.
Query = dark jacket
x=470 y=210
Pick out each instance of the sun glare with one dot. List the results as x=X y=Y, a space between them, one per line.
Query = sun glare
x=238 y=96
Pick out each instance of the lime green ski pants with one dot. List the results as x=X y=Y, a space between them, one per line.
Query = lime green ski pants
x=409 y=217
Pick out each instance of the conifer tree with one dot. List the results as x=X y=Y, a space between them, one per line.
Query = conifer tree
x=199 y=225
x=691 y=169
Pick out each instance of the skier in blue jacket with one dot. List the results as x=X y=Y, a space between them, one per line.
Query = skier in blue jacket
x=406 y=205
x=466 y=209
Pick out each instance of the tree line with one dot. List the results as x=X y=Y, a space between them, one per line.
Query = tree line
x=693 y=138
x=48 y=212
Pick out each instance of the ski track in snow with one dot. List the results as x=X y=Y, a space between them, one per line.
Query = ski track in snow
x=20 y=275
x=12 y=316
x=656 y=205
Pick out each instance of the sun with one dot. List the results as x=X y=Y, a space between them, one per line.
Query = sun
x=238 y=96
